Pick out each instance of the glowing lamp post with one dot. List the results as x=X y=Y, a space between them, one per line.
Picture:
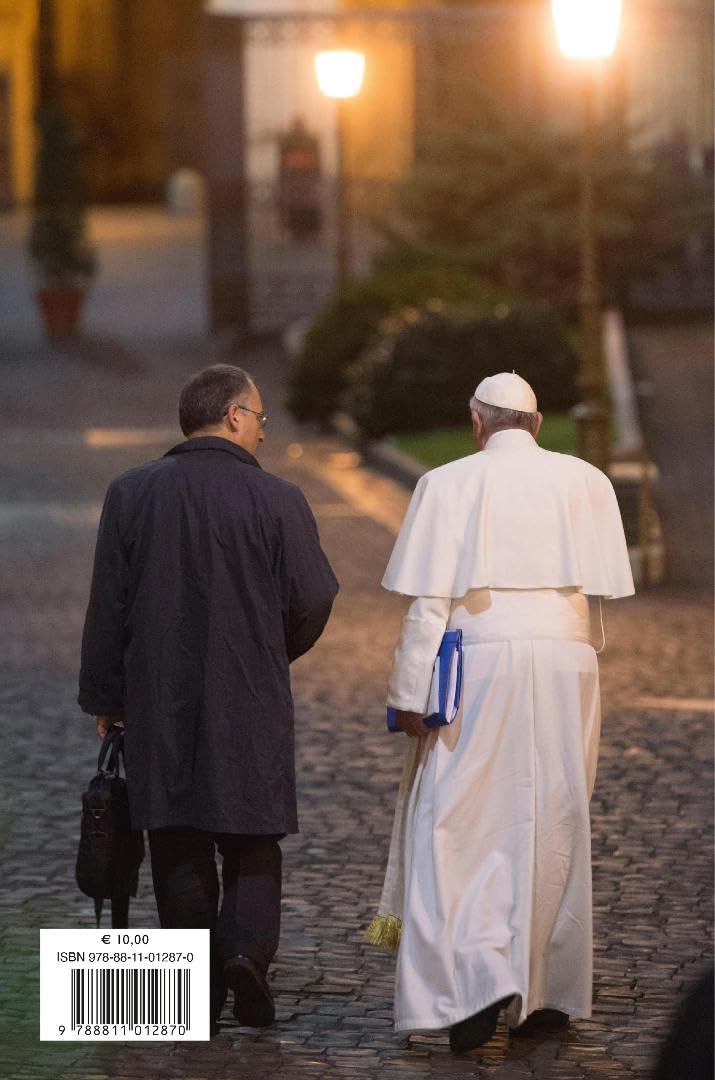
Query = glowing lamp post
x=340 y=73
x=587 y=30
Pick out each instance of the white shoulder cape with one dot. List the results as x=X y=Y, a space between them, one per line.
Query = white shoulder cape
x=511 y=517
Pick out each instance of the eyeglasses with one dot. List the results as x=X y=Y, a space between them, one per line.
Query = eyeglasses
x=262 y=418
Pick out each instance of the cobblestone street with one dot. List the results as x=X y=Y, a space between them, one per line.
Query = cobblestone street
x=70 y=426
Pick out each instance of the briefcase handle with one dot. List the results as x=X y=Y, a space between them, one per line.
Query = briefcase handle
x=112 y=747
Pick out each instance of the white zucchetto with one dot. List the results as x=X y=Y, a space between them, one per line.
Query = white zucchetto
x=507 y=390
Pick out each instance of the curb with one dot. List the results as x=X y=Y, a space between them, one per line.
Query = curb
x=394 y=463
x=380 y=454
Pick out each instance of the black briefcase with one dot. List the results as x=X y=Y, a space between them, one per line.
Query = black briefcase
x=110 y=851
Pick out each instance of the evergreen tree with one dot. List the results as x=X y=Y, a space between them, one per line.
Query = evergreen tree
x=57 y=242
x=502 y=199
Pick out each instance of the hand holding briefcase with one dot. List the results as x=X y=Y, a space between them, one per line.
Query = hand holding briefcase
x=110 y=851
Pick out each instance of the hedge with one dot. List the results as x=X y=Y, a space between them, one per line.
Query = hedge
x=347 y=325
x=420 y=370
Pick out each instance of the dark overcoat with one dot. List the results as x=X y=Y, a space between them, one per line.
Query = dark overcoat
x=208 y=580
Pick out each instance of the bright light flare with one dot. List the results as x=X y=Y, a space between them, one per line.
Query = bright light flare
x=340 y=72
x=587 y=29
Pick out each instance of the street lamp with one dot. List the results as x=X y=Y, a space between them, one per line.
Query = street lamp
x=587 y=30
x=340 y=73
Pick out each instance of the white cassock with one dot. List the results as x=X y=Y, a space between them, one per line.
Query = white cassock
x=489 y=869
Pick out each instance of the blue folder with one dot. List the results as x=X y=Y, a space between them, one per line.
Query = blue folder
x=446 y=684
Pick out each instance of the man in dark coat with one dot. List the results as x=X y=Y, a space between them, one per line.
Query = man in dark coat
x=209 y=579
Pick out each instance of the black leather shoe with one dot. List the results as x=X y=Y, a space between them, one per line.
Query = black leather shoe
x=475 y=1030
x=541 y=1022
x=253 y=1004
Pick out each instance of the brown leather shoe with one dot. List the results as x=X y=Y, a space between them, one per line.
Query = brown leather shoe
x=541 y=1022
x=253 y=1004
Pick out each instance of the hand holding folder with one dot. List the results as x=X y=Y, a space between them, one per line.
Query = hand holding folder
x=446 y=686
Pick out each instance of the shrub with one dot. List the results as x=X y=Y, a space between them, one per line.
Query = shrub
x=421 y=369
x=345 y=327
x=57 y=243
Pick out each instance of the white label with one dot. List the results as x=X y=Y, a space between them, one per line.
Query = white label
x=124 y=985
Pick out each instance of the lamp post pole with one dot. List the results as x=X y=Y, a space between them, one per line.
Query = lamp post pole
x=342 y=212
x=592 y=413
x=340 y=74
x=587 y=31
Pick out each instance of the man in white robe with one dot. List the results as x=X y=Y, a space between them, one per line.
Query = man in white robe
x=488 y=885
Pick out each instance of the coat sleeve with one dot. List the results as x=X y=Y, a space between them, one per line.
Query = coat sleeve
x=415 y=653
x=101 y=680
x=308 y=583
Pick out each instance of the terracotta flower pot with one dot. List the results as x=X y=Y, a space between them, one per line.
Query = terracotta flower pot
x=61 y=306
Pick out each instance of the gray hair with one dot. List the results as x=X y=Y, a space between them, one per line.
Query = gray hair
x=206 y=397
x=494 y=418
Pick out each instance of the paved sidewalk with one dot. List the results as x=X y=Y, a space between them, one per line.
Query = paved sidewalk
x=150 y=283
x=652 y=811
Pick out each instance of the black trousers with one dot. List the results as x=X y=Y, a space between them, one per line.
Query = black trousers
x=186 y=886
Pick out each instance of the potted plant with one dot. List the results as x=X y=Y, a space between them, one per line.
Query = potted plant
x=64 y=260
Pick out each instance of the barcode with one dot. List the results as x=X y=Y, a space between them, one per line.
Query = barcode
x=125 y=985
x=131 y=996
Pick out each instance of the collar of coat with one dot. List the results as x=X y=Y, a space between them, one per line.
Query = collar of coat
x=511 y=439
x=214 y=442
